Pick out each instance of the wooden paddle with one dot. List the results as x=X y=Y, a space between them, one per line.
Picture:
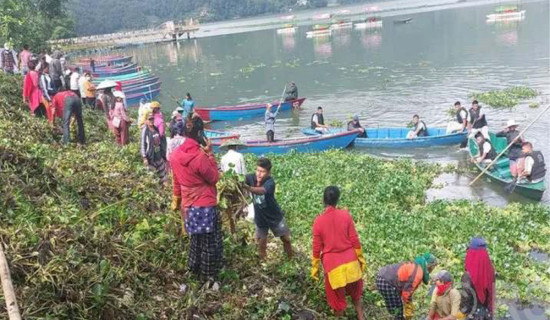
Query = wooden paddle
x=509 y=145
x=281 y=100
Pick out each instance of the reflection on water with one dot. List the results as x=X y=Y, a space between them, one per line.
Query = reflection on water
x=422 y=67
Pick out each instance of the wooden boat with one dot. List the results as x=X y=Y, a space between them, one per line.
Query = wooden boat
x=319 y=30
x=139 y=82
x=245 y=111
x=500 y=171
x=133 y=98
x=402 y=21
x=116 y=71
x=125 y=77
x=370 y=23
x=145 y=88
x=397 y=138
x=506 y=13
x=105 y=60
x=288 y=28
x=218 y=135
x=310 y=144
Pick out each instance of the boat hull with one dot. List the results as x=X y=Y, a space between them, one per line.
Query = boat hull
x=309 y=144
x=509 y=16
x=247 y=111
x=500 y=172
x=133 y=98
x=368 y=25
x=395 y=138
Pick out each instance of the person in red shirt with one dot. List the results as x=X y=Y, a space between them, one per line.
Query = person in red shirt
x=336 y=243
x=195 y=174
x=68 y=104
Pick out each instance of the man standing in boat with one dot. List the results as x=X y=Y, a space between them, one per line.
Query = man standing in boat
x=318 y=121
x=478 y=123
x=270 y=122
x=419 y=130
x=532 y=167
x=461 y=122
x=291 y=92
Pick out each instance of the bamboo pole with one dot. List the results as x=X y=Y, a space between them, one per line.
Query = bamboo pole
x=7 y=286
x=509 y=145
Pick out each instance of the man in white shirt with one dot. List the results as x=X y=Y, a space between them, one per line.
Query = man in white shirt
x=486 y=151
x=74 y=82
x=233 y=159
x=461 y=122
x=532 y=169
x=81 y=88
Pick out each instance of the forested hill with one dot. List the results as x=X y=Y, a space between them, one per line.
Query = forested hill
x=107 y=16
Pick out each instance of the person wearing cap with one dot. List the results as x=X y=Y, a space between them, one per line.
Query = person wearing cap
x=512 y=136
x=461 y=122
x=531 y=167
x=478 y=281
x=153 y=148
x=478 y=122
x=89 y=91
x=419 y=128
x=486 y=151
x=8 y=59
x=398 y=282
x=291 y=92
x=233 y=160
x=270 y=122
x=336 y=244
x=445 y=303
x=159 y=118
x=355 y=125
x=188 y=106
x=120 y=121
x=318 y=121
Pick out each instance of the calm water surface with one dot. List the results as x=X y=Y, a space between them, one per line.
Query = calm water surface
x=386 y=76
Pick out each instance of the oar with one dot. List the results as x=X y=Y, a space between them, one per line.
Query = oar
x=509 y=145
x=281 y=100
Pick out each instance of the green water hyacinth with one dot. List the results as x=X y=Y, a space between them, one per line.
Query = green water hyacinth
x=505 y=98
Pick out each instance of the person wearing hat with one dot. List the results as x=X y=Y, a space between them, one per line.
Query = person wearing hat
x=445 y=303
x=153 y=148
x=354 y=125
x=398 y=282
x=270 y=122
x=479 y=281
x=233 y=159
x=461 y=122
x=291 y=92
x=159 y=117
x=512 y=136
x=120 y=120
x=8 y=59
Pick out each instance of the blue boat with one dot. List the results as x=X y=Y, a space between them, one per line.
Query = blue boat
x=133 y=98
x=244 y=111
x=397 y=138
x=310 y=144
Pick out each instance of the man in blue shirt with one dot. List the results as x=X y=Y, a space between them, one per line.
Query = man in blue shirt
x=188 y=106
x=267 y=213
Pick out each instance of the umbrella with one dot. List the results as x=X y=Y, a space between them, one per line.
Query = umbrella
x=106 y=84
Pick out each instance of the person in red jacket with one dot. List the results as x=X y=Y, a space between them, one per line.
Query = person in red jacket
x=66 y=103
x=195 y=174
x=336 y=243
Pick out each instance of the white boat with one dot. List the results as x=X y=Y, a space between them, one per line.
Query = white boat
x=318 y=33
x=506 y=16
x=368 y=25
x=288 y=18
x=341 y=25
x=323 y=16
x=287 y=30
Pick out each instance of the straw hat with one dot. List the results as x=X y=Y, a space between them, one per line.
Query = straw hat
x=233 y=142
x=511 y=123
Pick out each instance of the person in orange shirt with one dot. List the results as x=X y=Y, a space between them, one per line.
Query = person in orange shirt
x=336 y=243
x=89 y=90
x=397 y=283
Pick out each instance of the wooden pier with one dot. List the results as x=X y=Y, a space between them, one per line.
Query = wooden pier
x=168 y=31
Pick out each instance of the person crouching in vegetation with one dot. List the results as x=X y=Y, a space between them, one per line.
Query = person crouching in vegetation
x=336 y=243
x=267 y=213
x=445 y=303
x=153 y=148
x=397 y=283
x=195 y=174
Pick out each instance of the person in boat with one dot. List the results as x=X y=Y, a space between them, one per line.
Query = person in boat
x=419 y=128
x=267 y=213
x=478 y=122
x=188 y=106
x=195 y=174
x=153 y=148
x=318 y=121
x=532 y=167
x=398 y=282
x=478 y=282
x=291 y=92
x=120 y=121
x=486 y=151
x=512 y=137
x=270 y=122
x=336 y=244
x=445 y=303
x=233 y=160
x=354 y=125
x=461 y=122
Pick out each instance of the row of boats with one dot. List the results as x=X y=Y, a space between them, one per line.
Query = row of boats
x=136 y=82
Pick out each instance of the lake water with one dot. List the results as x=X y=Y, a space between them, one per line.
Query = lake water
x=386 y=75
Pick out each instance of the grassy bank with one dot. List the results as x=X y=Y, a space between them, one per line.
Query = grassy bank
x=89 y=235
